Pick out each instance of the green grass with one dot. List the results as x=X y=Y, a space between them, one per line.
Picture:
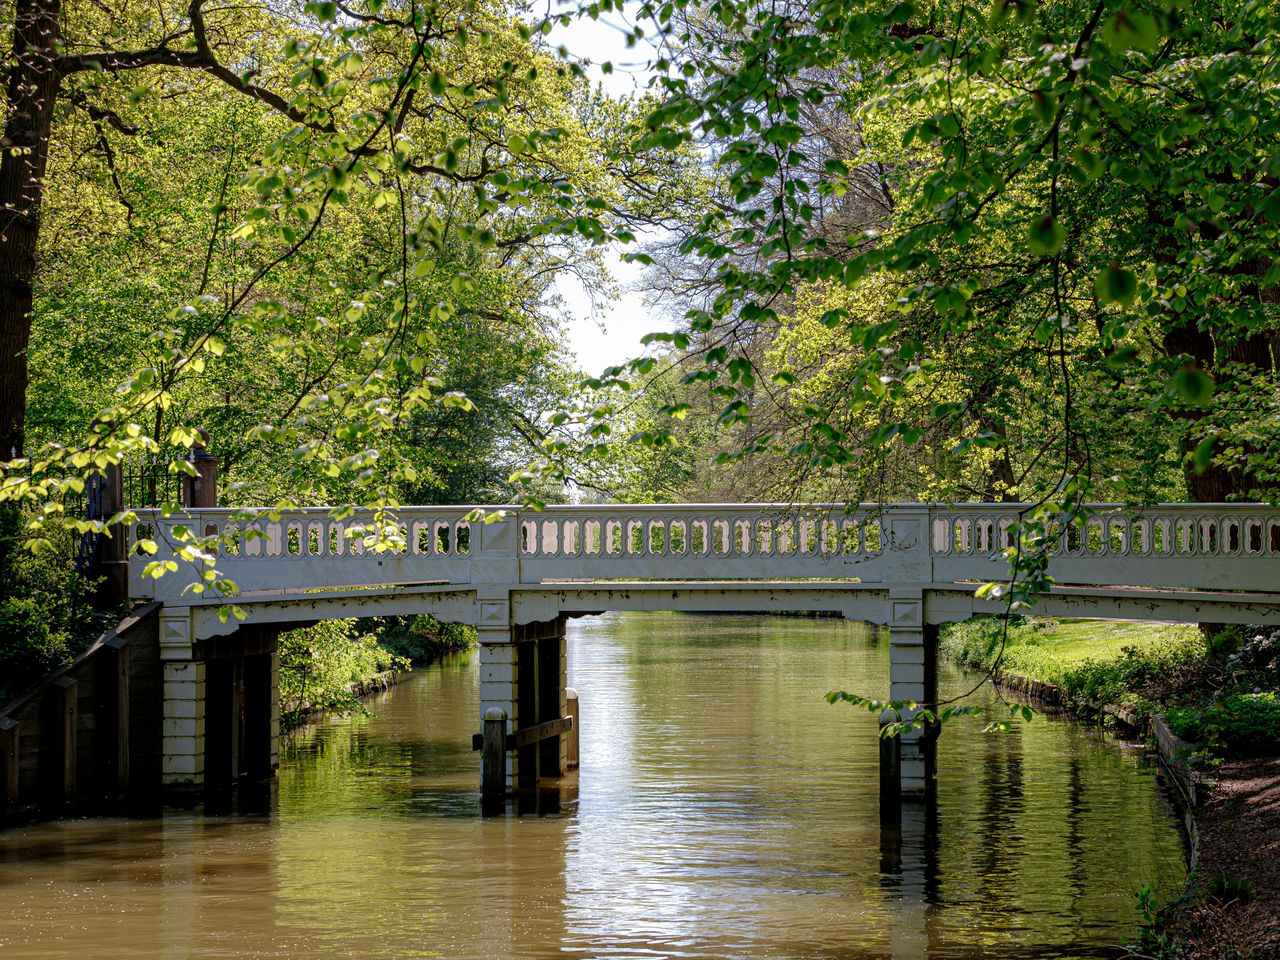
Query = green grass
x=1090 y=659
x=1223 y=693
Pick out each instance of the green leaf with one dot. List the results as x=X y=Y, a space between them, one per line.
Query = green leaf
x=1271 y=206
x=1046 y=236
x=457 y=400
x=1193 y=385
x=1203 y=454
x=1130 y=30
x=1114 y=284
x=323 y=10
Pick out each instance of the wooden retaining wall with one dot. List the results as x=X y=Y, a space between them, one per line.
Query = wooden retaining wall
x=87 y=737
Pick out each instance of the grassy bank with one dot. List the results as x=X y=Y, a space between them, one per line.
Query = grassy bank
x=1220 y=691
x=322 y=666
x=1092 y=662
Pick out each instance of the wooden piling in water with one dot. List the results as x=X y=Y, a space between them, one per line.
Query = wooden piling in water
x=493 y=755
x=9 y=755
x=571 y=711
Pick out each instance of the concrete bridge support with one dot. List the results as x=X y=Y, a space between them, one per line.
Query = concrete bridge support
x=221 y=720
x=907 y=762
x=523 y=673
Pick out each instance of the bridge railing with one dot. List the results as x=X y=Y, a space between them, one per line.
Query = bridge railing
x=1174 y=546
x=701 y=542
x=312 y=548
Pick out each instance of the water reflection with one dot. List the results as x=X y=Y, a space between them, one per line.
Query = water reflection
x=723 y=809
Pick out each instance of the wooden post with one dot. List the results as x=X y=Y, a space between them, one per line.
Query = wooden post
x=113 y=559
x=202 y=489
x=8 y=763
x=571 y=711
x=493 y=755
x=890 y=777
x=113 y=736
x=550 y=655
x=60 y=741
x=261 y=726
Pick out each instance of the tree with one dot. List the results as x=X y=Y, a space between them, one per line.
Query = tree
x=1076 y=205
x=391 y=173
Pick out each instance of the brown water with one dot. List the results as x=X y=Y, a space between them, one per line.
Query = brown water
x=723 y=809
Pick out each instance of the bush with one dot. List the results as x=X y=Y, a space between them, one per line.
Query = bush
x=1255 y=664
x=1243 y=725
x=45 y=614
x=422 y=638
x=1137 y=671
x=318 y=665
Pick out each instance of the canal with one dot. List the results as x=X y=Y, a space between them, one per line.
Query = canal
x=723 y=809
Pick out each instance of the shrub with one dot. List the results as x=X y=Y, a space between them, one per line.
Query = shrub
x=45 y=614
x=1136 y=671
x=1243 y=725
x=1256 y=663
x=422 y=638
x=318 y=664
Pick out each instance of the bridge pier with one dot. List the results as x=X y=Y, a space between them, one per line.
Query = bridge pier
x=183 y=718
x=523 y=673
x=908 y=761
x=221 y=717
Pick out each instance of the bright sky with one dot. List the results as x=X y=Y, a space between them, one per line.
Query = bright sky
x=604 y=333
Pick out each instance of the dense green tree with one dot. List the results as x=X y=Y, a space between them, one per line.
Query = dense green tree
x=1039 y=236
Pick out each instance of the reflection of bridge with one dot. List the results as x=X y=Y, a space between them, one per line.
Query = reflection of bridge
x=910 y=567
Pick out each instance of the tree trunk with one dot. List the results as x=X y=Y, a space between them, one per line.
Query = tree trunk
x=33 y=85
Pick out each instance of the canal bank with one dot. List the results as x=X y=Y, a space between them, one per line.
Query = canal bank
x=1230 y=906
x=331 y=666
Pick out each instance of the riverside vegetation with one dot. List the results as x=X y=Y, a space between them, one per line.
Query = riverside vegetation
x=324 y=667
x=1219 y=690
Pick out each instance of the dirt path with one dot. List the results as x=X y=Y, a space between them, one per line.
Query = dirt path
x=1239 y=831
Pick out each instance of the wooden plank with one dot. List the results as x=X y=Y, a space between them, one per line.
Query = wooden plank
x=529 y=735
x=113 y=736
x=536 y=734
x=60 y=740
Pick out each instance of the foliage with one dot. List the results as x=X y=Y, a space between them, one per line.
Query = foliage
x=1227 y=701
x=1255 y=663
x=1030 y=198
x=46 y=616
x=900 y=716
x=1092 y=662
x=319 y=664
x=1242 y=725
x=422 y=638
x=341 y=262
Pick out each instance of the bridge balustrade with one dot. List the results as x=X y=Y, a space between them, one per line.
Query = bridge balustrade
x=1173 y=546
x=700 y=542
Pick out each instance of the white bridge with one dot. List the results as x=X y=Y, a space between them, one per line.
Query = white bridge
x=909 y=566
